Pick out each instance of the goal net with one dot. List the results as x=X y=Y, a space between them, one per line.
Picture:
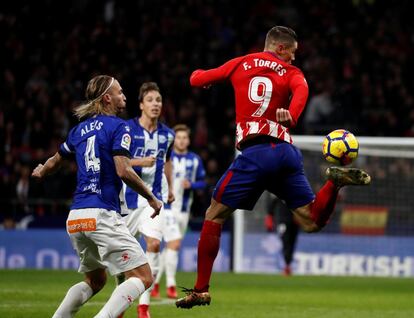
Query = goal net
x=371 y=232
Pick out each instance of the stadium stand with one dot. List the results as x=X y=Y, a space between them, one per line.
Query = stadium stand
x=359 y=71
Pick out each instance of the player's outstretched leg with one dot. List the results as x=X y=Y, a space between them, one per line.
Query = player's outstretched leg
x=347 y=176
x=193 y=298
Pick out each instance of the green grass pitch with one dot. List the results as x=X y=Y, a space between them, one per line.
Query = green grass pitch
x=36 y=294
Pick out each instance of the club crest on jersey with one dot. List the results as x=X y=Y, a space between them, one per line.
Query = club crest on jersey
x=162 y=139
x=126 y=141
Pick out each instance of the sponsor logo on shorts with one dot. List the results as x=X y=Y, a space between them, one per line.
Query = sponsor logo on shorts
x=81 y=225
x=125 y=256
x=129 y=299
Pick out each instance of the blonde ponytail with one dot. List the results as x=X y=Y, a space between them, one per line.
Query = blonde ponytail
x=97 y=87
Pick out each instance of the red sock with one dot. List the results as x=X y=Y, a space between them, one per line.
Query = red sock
x=324 y=204
x=208 y=247
x=142 y=310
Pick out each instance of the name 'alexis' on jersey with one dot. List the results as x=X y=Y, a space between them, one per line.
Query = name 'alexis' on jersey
x=94 y=142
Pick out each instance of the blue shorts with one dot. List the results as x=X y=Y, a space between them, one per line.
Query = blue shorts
x=276 y=167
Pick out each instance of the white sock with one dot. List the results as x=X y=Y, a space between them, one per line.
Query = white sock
x=161 y=267
x=76 y=296
x=122 y=297
x=171 y=263
x=154 y=263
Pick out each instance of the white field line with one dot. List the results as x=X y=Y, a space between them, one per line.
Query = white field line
x=5 y=304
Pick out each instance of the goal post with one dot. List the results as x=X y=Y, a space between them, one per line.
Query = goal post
x=371 y=231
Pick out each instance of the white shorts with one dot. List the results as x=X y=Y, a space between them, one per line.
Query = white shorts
x=102 y=240
x=182 y=220
x=139 y=221
x=171 y=229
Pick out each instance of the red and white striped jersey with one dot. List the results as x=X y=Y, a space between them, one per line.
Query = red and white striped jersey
x=262 y=83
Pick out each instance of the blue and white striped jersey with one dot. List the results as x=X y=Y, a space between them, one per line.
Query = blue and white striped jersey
x=186 y=166
x=94 y=142
x=144 y=144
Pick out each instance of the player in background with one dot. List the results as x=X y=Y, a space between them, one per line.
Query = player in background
x=270 y=95
x=151 y=149
x=286 y=227
x=100 y=144
x=188 y=175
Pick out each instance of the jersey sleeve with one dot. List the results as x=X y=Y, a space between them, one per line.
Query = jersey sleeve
x=300 y=92
x=67 y=149
x=200 y=78
x=171 y=137
x=199 y=182
x=122 y=140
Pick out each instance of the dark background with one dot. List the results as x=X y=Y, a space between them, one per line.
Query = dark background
x=356 y=56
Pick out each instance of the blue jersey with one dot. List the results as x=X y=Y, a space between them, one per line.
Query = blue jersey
x=94 y=142
x=186 y=166
x=146 y=144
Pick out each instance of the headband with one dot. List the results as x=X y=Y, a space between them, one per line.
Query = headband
x=109 y=86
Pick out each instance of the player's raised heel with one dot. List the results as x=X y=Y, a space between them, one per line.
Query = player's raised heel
x=347 y=176
x=193 y=298
x=143 y=311
x=155 y=292
x=172 y=292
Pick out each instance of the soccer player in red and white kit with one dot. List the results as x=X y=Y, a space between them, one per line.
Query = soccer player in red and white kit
x=270 y=95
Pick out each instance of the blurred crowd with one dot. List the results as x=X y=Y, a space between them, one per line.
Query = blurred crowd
x=356 y=56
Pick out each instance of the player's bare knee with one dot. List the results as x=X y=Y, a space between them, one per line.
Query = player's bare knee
x=153 y=245
x=147 y=281
x=143 y=273
x=210 y=214
x=218 y=212
x=96 y=283
x=174 y=245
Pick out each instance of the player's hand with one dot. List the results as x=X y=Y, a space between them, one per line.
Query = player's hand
x=156 y=205
x=37 y=172
x=186 y=184
x=284 y=117
x=148 y=161
x=171 y=197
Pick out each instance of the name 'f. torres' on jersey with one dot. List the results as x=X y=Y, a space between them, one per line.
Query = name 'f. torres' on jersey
x=263 y=83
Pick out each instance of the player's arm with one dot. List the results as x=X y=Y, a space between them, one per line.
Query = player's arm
x=205 y=78
x=125 y=171
x=49 y=167
x=168 y=170
x=66 y=150
x=199 y=182
x=196 y=185
x=143 y=162
x=300 y=92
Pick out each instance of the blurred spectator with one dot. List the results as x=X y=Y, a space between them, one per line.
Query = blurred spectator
x=366 y=60
x=319 y=116
x=22 y=189
x=8 y=223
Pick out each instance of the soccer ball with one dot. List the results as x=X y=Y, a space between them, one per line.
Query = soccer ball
x=340 y=147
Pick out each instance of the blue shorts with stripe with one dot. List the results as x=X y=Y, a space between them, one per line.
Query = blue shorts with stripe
x=276 y=167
